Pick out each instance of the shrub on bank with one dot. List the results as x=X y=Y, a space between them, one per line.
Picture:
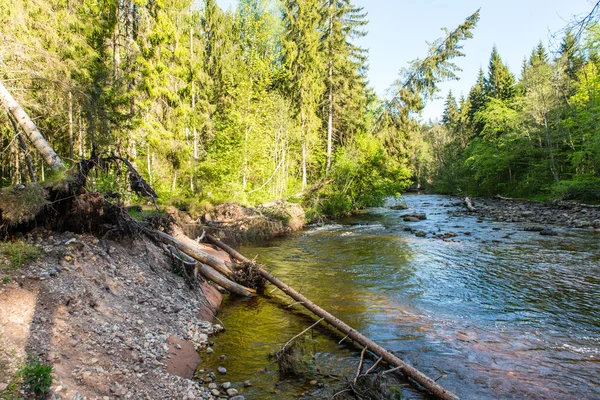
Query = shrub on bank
x=586 y=188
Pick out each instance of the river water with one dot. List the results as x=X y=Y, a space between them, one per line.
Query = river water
x=493 y=313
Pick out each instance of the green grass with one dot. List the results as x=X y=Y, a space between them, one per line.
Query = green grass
x=144 y=213
x=17 y=253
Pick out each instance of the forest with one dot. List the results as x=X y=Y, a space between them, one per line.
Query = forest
x=272 y=99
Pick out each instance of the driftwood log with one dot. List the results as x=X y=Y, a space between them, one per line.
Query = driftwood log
x=197 y=254
x=207 y=265
x=220 y=280
x=410 y=372
x=207 y=272
x=469 y=204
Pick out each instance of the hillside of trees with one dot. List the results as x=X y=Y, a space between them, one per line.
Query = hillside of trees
x=531 y=135
x=272 y=99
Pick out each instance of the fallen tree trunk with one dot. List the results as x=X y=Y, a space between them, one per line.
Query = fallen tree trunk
x=219 y=279
x=508 y=198
x=23 y=147
x=408 y=371
x=208 y=272
x=197 y=254
x=32 y=132
x=469 y=205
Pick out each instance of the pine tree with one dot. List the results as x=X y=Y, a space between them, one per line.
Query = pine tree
x=500 y=82
x=451 y=113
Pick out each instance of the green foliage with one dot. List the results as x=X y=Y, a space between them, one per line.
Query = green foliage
x=534 y=138
x=500 y=82
x=585 y=188
x=198 y=208
x=18 y=253
x=37 y=376
x=362 y=177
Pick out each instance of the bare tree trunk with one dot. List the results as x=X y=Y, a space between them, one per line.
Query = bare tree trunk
x=80 y=135
x=550 y=146
x=27 y=159
x=330 y=89
x=417 y=376
x=330 y=117
x=304 y=148
x=32 y=132
x=71 y=125
x=16 y=167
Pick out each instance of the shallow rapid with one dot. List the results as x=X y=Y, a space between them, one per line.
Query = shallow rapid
x=495 y=312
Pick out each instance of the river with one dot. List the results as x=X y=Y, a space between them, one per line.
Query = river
x=493 y=313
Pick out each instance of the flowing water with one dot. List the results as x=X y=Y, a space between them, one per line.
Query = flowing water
x=494 y=313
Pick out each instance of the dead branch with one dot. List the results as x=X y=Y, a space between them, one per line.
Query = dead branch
x=373 y=366
x=221 y=280
x=360 y=364
x=207 y=272
x=300 y=334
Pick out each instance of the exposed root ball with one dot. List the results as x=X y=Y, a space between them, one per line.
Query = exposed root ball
x=88 y=204
x=161 y=222
x=249 y=276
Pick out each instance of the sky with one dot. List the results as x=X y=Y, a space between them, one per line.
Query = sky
x=399 y=29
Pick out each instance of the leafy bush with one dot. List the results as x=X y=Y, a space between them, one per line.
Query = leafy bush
x=363 y=176
x=586 y=188
x=37 y=377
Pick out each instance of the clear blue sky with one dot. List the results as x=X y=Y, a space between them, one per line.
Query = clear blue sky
x=398 y=30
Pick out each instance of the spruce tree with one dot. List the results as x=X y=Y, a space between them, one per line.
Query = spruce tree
x=500 y=82
x=450 y=115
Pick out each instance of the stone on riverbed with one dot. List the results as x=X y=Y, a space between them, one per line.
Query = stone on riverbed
x=446 y=235
x=401 y=206
x=533 y=228
x=417 y=216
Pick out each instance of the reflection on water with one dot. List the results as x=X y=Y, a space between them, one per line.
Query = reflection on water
x=495 y=312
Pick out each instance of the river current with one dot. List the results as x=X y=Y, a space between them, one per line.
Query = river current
x=493 y=313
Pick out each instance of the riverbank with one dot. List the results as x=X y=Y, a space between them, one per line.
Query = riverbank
x=113 y=318
x=538 y=214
